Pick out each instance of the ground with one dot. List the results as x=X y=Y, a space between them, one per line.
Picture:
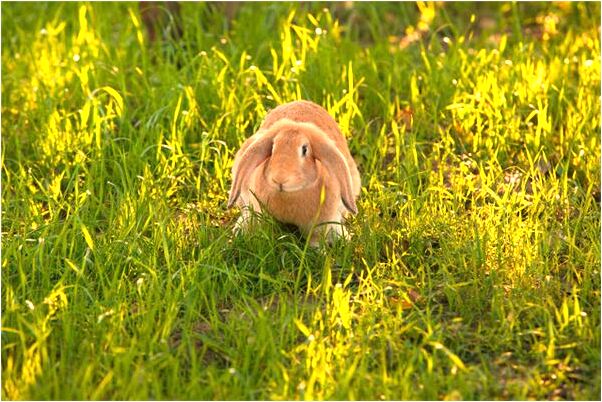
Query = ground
x=473 y=267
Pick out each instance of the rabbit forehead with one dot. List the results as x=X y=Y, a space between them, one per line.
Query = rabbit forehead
x=291 y=137
x=294 y=129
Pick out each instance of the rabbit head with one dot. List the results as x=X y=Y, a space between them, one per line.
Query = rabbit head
x=291 y=166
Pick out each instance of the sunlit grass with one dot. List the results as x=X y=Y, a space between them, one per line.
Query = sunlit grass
x=473 y=271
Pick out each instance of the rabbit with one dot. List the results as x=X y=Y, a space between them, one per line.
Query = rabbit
x=297 y=168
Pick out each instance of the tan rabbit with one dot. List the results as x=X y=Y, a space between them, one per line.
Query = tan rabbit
x=298 y=168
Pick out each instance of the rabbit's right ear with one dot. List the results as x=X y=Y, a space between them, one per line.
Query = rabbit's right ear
x=254 y=154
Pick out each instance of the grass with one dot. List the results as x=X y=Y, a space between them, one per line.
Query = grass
x=473 y=270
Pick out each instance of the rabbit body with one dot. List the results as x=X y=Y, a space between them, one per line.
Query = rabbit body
x=298 y=168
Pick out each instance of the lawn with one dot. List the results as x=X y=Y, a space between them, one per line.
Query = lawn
x=473 y=267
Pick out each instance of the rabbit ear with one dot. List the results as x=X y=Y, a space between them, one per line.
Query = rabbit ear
x=252 y=156
x=326 y=151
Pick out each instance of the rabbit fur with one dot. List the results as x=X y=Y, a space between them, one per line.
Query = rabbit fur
x=298 y=168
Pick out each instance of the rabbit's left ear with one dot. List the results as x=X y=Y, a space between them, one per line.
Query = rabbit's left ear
x=326 y=151
x=253 y=156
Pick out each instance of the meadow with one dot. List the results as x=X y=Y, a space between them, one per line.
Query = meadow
x=473 y=267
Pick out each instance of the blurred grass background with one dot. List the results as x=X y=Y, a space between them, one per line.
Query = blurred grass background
x=474 y=267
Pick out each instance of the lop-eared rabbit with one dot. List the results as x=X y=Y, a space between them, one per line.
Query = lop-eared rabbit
x=297 y=168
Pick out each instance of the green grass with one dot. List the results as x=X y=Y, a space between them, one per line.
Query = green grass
x=473 y=270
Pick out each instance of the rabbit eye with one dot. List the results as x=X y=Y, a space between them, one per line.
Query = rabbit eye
x=303 y=149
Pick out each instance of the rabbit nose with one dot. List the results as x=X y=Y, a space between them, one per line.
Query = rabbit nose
x=279 y=183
